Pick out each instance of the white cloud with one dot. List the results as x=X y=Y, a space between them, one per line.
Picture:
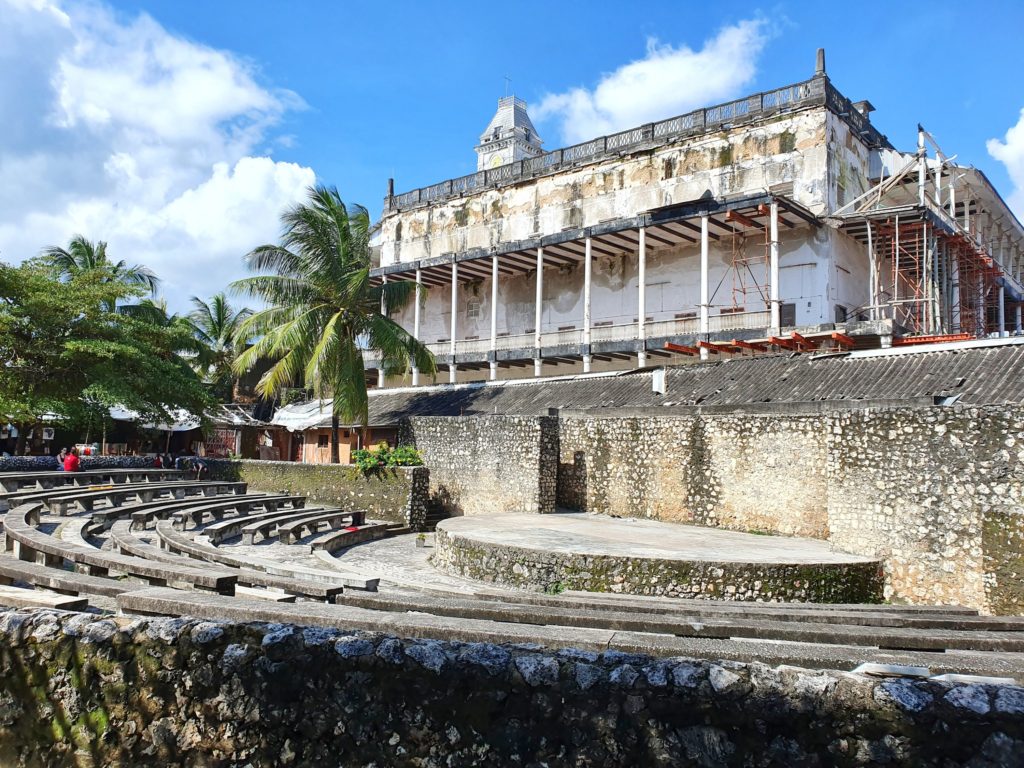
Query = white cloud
x=1010 y=152
x=122 y=131
x=667 y=81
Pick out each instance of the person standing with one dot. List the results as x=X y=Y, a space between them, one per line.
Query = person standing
x=72 y=463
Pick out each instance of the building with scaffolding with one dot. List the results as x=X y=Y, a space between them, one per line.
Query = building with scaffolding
x=780 y=221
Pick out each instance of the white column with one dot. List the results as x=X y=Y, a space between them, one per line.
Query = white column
x=776 y=320
x=872 y=276
x=1017 y=325
x=383 y=311
x=705 y=292
x=587 y=318
x=538 y=311
x=641 y=318
x=1002 y=311
x=494 y=316
x=452 y=369
x=921 y=166
x=416 y=321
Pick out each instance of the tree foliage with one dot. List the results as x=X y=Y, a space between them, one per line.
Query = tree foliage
x=323 y=311
x=84 y=256
x=215 y=325
x=64 y=352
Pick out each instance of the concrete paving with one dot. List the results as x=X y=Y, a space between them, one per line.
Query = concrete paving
x=587 y=534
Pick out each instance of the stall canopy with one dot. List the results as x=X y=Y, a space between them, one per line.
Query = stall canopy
x=182 y=420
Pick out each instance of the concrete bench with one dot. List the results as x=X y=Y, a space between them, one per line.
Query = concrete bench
x=20 y=597
x=241 y=505
x=225 y=529
x=267 y=527
x=28 y=543
x=152 y=510
x=291 y=531
x=58 y=580
x=130 y=544
x=332 y=541
x=15 y=481
x=58 y=502
x=175 y=541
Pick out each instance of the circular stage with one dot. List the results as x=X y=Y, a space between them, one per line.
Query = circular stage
x=595 y=553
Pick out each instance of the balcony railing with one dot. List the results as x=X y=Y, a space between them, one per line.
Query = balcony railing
x=814 y=92
x=621 y=332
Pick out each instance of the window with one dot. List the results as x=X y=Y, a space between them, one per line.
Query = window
x=322 y=441
x=787 y=315
x=840 y=313
x=473 y=309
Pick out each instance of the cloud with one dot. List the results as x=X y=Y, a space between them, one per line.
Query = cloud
x=667 y=81
x=1010 y=152
x=121 y=131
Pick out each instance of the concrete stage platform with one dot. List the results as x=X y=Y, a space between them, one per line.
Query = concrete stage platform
x=645 y=557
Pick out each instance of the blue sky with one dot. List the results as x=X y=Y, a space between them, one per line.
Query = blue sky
x=177 y=130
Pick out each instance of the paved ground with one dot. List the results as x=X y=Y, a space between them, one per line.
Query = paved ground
x=580 y=533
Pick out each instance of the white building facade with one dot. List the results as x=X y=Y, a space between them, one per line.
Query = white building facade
x=723 y=231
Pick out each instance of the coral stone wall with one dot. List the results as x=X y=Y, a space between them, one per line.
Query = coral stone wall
x=484 y=465
x=82 y=690
x=934 y=492
x=937 y=493
x=398 y=495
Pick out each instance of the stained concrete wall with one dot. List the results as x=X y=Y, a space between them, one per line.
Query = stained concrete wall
x=487 y=465
x=77 y=689
x=788 y=149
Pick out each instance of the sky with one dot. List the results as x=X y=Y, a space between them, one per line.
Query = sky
x=178 y=131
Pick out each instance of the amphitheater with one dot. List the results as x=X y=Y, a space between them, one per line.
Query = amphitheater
x=155 y=618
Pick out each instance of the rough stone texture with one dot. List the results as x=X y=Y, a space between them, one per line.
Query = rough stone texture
x=398 y=495
x=487 y=465
x=554 y=571
x=171 y=693
x=935 y=492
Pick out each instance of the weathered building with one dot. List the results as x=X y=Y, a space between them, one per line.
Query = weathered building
x=722 y=230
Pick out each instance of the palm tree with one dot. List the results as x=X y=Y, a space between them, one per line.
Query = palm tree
x=323 y=310
x=83 y=256
x=215 y=324
x=154 y=312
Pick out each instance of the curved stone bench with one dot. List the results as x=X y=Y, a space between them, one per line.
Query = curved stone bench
x=28 y=543
x=293 y=530
x=59 y=501
x=177 y=542
x=248 y=525
x=241 y=505
x=129 y=543
x=332 y=541
x=143 y=514
x=58 y=580
x=12 y=482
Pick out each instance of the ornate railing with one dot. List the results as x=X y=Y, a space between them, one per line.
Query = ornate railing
x=817 y=91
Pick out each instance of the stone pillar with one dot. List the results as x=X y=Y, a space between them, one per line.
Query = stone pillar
x=641 y=318
x=538 y=311
x=494 y=316
x=1017 y=325
x=705 y=291
x=776 y=320
x=453 y=369
x=416 y=321
x=587 y=317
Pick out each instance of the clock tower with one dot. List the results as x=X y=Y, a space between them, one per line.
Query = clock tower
x=510 y=136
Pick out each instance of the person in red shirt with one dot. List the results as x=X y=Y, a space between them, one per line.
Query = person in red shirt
x=71 y=463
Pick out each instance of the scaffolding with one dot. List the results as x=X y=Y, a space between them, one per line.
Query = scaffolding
x=933 y=263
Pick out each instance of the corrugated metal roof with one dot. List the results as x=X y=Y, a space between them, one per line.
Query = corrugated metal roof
x=992 y=374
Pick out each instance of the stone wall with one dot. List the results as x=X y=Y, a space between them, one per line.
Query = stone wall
x=763 y=473
x=532 y=569
x=82 y=690
x=935 y=492
x=398 y=495
x=483 y=465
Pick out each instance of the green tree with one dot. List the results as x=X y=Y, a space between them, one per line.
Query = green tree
x=323 y=312
x=62 y=352
x=83 y=255
x=215 y=324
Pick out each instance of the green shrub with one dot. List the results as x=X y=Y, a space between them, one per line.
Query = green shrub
x=375 y=460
